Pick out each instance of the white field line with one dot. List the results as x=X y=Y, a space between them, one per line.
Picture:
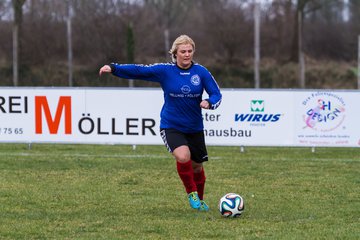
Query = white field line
x=84 y=155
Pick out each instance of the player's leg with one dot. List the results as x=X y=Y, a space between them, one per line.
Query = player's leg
x=186 y=174
x=184 y=168
x=199 y=178
x=176 y=143
x=199 y=155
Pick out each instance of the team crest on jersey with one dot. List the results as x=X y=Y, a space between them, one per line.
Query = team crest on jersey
x=195 y=80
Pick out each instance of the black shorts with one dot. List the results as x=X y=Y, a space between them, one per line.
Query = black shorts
x=195 y=141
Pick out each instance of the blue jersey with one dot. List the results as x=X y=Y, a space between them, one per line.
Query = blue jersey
x=183 y=89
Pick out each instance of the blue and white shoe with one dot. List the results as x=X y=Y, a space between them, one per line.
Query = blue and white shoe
x=194 y=200
x=203 y=206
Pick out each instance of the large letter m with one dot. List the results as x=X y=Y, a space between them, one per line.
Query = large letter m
x=64 y=105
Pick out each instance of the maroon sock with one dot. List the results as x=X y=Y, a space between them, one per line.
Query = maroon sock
x=186 y=174
x=199 y=179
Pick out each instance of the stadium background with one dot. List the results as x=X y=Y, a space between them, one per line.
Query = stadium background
x=141 y=30
x=84 y=191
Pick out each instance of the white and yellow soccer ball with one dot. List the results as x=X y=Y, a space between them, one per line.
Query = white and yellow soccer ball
x=231 y=205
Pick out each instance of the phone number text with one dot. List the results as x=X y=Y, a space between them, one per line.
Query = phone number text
x=10 y=131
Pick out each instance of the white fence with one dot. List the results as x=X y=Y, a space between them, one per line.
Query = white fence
x=131 y=116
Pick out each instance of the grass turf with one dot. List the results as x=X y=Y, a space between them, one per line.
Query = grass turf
x=114 y=192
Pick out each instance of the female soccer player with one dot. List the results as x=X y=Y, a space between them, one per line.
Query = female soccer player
x=181 y=127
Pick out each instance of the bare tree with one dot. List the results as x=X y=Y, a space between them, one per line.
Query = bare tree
x=69 y=42
x=18 y=17
x=169 y=12
x=257 y=44
x=230 y=30
x=278 y=27
x=303 y=7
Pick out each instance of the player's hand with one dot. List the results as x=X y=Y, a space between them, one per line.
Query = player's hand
x=105 y=69
x=205 y=104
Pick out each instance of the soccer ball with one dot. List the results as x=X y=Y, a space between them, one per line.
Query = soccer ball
x=231 y=205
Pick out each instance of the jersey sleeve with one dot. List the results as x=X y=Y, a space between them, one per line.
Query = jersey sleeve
x=213 y=90
x=138 y=71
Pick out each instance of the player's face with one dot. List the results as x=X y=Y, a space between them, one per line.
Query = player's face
x=184 y=55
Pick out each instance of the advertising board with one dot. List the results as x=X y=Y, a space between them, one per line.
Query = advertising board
x=132 y=116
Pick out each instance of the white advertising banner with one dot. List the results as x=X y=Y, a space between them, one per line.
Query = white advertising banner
x=80 y=115
x=254 y=118
x=132 y=116
x=326 y=118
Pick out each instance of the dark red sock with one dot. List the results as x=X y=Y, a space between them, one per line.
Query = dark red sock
x=199 y=179
x=186 y=174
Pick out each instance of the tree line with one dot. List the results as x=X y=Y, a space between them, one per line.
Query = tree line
x=141 y=31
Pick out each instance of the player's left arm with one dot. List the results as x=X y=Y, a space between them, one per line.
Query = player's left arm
x=213 y=90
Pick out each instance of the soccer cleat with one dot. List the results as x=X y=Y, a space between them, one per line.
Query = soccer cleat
x=203 y=206
x=194 y=200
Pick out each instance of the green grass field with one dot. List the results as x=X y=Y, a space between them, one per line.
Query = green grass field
x=115 y=192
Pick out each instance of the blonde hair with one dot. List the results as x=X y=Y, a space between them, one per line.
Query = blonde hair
x=182 y=39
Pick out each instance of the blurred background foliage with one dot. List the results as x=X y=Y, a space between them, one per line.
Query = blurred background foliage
x=141 y=31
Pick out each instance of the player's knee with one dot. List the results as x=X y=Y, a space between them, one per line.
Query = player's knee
x=182 y=158
x=182 y=154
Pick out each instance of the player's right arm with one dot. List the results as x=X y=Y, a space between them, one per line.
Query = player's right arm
x=134 y=71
